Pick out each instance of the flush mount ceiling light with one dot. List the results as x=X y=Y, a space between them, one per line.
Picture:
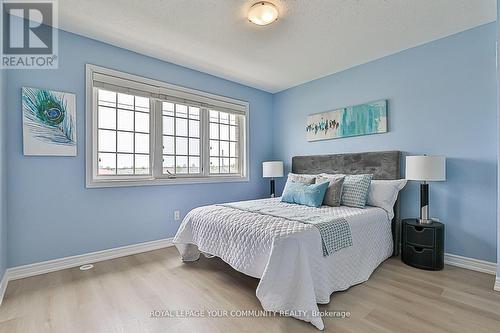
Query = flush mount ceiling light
x=263 y=13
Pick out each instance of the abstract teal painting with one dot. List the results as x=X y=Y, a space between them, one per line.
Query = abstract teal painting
x=363 y=119
x=49 y=122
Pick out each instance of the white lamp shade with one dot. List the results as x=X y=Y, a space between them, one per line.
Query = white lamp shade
x=426 y=168
x=272 y=169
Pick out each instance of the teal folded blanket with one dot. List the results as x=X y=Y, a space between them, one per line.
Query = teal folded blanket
x=335 y=231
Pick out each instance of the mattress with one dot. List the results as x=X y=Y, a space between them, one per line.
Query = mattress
x=287 y=255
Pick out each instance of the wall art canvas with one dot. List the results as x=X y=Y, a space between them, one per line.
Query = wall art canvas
x=363 y=119
x=49 y=122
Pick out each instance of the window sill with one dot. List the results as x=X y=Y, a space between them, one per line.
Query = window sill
x=105 y=183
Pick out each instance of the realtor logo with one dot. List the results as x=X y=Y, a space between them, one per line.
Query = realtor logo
x=29 y=34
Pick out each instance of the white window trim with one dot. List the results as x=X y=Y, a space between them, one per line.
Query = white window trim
x=177 y=91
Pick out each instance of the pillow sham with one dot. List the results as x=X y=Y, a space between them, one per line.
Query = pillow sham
x=302 y=178
x=335 y=175
x=304 y=194
x=355 y=190
x=384 y=193
x=334 y=190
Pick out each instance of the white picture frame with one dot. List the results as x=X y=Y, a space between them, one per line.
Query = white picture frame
x=49 y=122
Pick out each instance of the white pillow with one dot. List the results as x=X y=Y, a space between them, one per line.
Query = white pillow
x=332 y=175
x=384 y=193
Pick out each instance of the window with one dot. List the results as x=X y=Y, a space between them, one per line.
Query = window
x=122 y=134
x=224 y=143
x=146 y=132
x=181 y=139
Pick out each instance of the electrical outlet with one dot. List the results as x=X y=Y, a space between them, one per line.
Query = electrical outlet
x=177 y=215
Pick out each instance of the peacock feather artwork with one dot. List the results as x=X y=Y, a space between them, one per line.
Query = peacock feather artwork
x=363 y=119
x=49 y=122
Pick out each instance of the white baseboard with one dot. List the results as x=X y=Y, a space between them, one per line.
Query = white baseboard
x=497 y=283
x=3 y=286
x=43 y=267
x=471 y=263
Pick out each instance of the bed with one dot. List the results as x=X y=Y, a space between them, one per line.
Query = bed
x=285 y=254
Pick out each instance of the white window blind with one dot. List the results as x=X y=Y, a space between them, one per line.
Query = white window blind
x=150 y=90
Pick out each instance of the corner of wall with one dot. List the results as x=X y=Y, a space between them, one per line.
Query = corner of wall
x=3 y=177
x=497 y=284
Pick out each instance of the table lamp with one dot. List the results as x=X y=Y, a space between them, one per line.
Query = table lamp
x=425 y=169
x=272 y=169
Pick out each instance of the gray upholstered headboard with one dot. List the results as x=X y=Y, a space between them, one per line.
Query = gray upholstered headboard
x=382 y=164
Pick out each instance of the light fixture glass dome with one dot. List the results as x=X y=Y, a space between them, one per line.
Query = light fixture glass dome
x=263 y=13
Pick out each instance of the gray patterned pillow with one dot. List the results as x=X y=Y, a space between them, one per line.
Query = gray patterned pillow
x=302 y=178
x=334 y=190
x=355 y=190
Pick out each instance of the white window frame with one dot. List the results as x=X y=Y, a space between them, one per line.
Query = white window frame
x=162 y=91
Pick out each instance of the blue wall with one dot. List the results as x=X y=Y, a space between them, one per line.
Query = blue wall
x=442 y=100
x=51 y=213
x=3 y=177
x=498 y=136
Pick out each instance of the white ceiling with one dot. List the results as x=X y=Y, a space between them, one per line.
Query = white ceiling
x=311 y=39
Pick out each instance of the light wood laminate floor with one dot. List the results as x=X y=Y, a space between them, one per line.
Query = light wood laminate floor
x=118 y=296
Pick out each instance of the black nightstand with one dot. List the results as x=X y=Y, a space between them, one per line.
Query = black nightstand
x=422 y=245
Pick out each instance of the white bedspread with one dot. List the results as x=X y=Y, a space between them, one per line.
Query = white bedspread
x=287 y=255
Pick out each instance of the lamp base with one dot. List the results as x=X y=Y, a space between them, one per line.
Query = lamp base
x=424 y=204
x=273 y=188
